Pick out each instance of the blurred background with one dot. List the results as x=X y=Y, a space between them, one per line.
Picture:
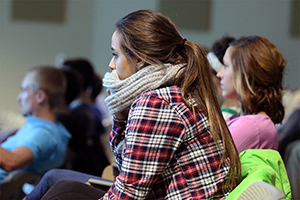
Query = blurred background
x=44 y=32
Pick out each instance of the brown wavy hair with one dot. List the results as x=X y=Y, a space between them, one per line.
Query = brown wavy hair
x=154 y=39
x=258 y=69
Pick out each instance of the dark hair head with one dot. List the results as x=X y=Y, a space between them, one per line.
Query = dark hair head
x=96 y=87
x=74 y=85
x=258 y=69
x=83 y=67
x=220 y=46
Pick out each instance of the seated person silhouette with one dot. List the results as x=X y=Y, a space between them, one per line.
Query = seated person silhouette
x=85 y=152
x=40 y=144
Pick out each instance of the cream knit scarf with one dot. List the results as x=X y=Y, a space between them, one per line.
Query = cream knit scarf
x=124 y=92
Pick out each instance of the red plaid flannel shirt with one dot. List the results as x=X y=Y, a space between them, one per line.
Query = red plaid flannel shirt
x=168 y=154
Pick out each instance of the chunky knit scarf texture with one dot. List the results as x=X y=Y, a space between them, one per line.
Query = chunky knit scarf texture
x=124 y=92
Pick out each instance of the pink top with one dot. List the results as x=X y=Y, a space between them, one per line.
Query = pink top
x=253 y=132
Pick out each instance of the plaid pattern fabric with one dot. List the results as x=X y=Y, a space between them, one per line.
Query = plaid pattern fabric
x=168 y=154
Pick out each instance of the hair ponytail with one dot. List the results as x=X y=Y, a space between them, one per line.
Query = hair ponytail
x=197 y=84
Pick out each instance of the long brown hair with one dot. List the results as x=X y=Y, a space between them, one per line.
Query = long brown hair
x=154 y=39
x=258 y=68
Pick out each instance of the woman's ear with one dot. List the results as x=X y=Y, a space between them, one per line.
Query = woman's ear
x=41 y=96
x=140 y=64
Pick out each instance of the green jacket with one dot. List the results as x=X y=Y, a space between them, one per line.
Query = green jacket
x=262 y=165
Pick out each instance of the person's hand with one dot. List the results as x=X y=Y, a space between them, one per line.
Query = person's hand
x=123 y=115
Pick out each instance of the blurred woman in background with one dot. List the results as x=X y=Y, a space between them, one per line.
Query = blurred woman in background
x=252 y=73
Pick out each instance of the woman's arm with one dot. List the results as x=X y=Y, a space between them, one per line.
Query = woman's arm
x=117 y=139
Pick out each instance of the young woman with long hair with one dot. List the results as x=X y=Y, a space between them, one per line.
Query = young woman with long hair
x=169 y=137
x=252 y=73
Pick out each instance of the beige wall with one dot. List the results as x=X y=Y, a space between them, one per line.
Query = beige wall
x=90 y=23
x=24 y=44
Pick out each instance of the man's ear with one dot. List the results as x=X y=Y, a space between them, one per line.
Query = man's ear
x=41 y=96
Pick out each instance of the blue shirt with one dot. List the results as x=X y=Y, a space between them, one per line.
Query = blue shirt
x=47 y=141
